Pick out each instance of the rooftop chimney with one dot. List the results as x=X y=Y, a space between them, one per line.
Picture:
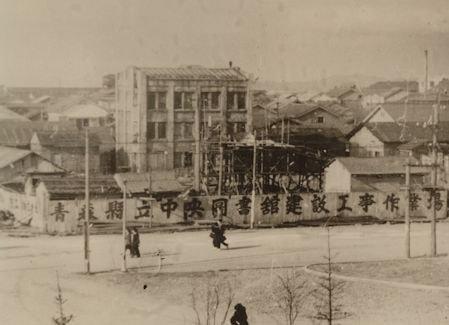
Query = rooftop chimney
x=230 y=64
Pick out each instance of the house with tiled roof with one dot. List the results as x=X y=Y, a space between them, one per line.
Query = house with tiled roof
x=8 y=115
x=346 y=94
x=67 y=148
x=18 y=162
x=384 y=139
x=408 y=112
x=385 y=174
x=18 y=134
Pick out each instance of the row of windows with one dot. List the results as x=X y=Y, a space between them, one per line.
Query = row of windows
x=184 y=100
x=183 y=159
x=184 y=130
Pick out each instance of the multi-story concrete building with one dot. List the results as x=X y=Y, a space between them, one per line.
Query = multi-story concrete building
x=162 y=114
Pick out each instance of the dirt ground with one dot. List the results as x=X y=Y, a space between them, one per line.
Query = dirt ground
x=28 y=275
x=428 y=271
x=365 y=303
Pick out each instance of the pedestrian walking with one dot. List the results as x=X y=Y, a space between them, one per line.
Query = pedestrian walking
x=217 y=235
x=222 y=237
x=239 y=317
x=135 y=242
x=128 y=244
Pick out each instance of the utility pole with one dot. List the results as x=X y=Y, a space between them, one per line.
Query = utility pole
x=253 y=192
x=282 y=130
x=220 y=171
x=427 y=71
x=124 y=268
x=407 y=209
x=197 y=136
x=433 y=221
x=149 y=196
x=86 y=206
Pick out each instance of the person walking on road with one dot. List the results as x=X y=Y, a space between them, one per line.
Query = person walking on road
x=135 y=242
x=239 y=317
x=128 y=245
x=217 y=235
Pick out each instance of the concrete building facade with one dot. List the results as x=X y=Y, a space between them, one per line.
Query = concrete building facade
x=161 y=113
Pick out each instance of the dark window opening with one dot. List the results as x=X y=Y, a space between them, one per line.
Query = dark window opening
x=188 y=100
x=178 y=100
x=215 y=100
x=151 y=130
x=151 y=100
x=161 y=130
x=241 y=100
x=162 y=100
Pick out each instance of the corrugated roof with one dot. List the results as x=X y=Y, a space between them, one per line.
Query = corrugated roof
x=10 y=155
x=379 y=165
x=195 y=73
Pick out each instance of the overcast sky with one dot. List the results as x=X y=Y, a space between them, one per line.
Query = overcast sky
x=75 y=42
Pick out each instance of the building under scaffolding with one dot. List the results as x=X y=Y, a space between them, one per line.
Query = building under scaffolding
x=228 y=168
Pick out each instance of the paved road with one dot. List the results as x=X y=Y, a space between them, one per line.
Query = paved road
x=28 y=265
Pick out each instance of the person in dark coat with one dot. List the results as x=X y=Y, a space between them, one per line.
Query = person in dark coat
x=128 y=242
x=135 y=242
x=221 y=231
x=217 y=235
x=239 y=317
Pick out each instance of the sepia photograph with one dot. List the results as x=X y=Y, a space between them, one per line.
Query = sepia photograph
x=207 y=162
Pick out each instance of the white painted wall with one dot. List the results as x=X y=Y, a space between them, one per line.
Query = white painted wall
x=365 y=141
x=381 y=116
x=370 y=100
x=337 y=178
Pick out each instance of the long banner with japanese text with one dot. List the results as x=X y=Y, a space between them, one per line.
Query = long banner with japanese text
x=66 y=216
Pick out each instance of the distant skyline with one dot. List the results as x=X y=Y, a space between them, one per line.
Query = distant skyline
x=75 y=43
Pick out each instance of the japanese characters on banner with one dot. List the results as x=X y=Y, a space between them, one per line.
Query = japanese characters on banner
x=67 y=216
x=278 y=208
x=18 y=207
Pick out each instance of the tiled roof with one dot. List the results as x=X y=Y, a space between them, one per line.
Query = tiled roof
x=389 y=132
x=341 y=91
x=74 y=186
x=161 y=181
x=30 y=94
x=412 y=86
x=195 y=73
x=66 y=139
x=299 y=109
x=6 y=114
x=18 y=134
x=10 y=155
x=414 y=112
x=379 y=165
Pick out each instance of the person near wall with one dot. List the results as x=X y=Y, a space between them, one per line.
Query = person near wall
x=135 y=242
x=128 y=245
x=239 y=317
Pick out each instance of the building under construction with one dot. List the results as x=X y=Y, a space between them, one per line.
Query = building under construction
x=233 y=168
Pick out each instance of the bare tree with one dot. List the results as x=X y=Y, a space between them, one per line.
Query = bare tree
x=328 y=297
x=289 y=295
x=211 y=306
x=61 y=319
